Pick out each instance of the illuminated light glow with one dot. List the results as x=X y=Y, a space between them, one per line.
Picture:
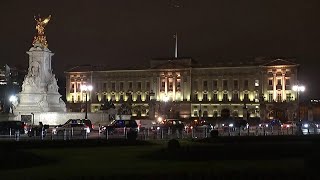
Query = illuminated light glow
x=298 y=88
x=13 y=98
x=86 y=87
x=165 y=98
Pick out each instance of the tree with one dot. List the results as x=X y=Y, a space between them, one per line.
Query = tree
x=107 y=105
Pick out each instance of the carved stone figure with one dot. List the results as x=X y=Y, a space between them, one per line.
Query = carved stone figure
x=40 y=27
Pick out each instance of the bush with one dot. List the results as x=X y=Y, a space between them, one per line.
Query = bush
x=132 y=135
x=173 y=145
x=214 y=133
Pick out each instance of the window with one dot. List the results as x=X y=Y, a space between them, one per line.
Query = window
x=225 y=97
x=225 y=84
x=147 y=85
x=215 y=97
x=205 y=97
x=235 y=84
x=279 y=82
x=270 y=99
x=270 y=82
x=195 y=97
x=130 y=85
x=279 y=97
x=113 y=86
x=205 y=85
x=235 y=97
x=178 y=84
x=246 y=84
x=139 y=86
x=72 y=98
x=246 y=97
x=104 y=86
x=78 y=98
x=170 y=85
x=215 y=84
x=121 y=97
x=287 y=82
x=288 y=97
x=121 y=86
x=139 y=97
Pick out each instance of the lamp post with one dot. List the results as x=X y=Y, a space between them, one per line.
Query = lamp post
x=86 y=88
x=165 y=99
x=298 y=89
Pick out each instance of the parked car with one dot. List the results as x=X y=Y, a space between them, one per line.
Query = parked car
x=172 y=124
x=87 y=122
x=289 y=124
x=77 y=129
x=119 y=126
x=13 y=126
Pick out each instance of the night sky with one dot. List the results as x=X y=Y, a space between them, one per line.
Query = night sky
x=124 y=33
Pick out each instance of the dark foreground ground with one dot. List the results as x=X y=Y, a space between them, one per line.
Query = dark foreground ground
x=285 y=157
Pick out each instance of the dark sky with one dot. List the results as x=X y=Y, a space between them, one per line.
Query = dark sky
x=122 y=33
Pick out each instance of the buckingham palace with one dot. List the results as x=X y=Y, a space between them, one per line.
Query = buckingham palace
x=181 y=88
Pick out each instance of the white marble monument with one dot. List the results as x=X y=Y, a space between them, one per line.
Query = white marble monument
x=39 y=90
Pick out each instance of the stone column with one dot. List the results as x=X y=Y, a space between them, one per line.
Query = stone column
x=283 y=87
x=274 y=87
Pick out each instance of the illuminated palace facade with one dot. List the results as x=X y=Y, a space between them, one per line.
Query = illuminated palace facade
x=182 y=88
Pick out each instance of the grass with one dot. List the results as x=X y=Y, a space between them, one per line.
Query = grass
x=138 y=161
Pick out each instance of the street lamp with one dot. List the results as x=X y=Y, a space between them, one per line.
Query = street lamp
x=298 y=89
x=86 y=88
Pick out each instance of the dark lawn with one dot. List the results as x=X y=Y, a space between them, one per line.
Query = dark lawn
x=193 y=160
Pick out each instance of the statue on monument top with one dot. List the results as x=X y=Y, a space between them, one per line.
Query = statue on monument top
x=40 y=38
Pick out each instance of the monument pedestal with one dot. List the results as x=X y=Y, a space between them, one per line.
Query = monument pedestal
x=39 y=90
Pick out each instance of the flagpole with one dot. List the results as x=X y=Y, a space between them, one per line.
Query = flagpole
x=176 y=46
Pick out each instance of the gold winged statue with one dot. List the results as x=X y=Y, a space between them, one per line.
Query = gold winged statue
x=40 y=38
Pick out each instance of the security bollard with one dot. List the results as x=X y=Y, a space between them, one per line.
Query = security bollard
x=292 y=130
x=148 y=132
x=18 y=136
x=308 y=131
x=107 y=134
x=52 y=135
x=192 y=133
x=34 y=133
x=86 y=134
x=125 y=133
x=287 y=131
x=64 y=135
x=161 y=133
x=10 y=132
x=177 y=132
x=41 y=133
x=72 y=132
x=144 y=134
